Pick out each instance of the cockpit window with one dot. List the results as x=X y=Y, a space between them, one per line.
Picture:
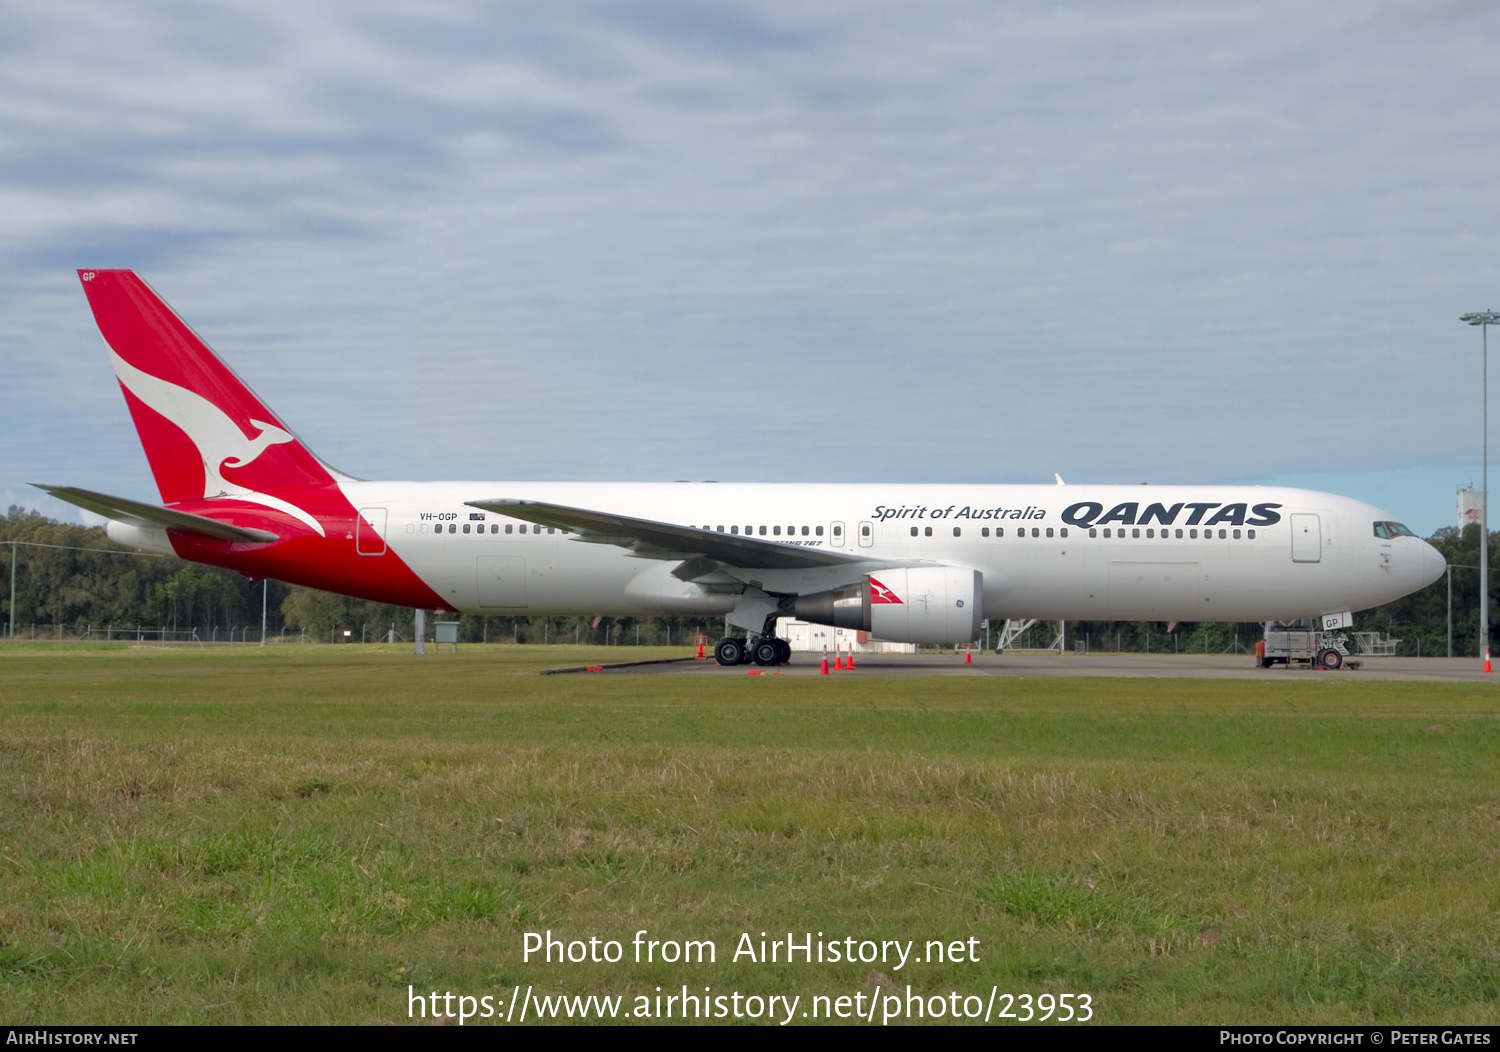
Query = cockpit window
x=1387 y=530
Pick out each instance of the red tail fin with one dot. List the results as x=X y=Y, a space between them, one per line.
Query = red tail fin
x=205 y=432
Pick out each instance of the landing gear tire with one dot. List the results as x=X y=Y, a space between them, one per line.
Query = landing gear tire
x=730 y=651
x=1330 y=659
x=783 y=652
x=767 y=653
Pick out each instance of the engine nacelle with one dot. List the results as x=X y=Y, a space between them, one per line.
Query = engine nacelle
x=924 y=604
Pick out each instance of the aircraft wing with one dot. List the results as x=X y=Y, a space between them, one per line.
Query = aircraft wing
x=137 y=514
x=660 y=540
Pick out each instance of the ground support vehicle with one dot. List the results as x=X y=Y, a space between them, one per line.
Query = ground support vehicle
x=1289 y=642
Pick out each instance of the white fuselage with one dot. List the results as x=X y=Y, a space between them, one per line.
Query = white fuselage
x=1321 y=553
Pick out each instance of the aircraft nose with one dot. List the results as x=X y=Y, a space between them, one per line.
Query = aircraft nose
x=1433 y=564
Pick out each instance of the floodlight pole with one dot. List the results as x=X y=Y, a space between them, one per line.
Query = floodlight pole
x=1484 y=319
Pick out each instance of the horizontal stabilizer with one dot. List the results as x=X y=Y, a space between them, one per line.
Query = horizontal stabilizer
x=664 y=541
x=137 y=514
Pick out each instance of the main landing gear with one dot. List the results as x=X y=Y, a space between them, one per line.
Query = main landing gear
x=765 y=652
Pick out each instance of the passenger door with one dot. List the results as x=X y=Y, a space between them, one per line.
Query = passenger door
x=369 y=531
x=1307 y=539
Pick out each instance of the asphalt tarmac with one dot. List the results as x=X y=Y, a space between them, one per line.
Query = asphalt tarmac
x=1012 y=663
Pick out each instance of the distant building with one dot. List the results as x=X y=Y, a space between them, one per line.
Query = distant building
x=810 y=638
x=1470 y=506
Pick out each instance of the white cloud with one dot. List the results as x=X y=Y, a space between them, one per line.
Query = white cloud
x=1191 y=242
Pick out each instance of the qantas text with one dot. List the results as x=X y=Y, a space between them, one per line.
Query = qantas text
x=1091 y=513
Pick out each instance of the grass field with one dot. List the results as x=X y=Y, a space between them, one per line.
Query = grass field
x=300 y=834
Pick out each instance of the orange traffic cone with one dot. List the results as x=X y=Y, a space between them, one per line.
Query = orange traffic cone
x=838 y=658
x=851 y=657
x=700 y=647
x=1487 y=659
x=968 y=657
x=823 y=668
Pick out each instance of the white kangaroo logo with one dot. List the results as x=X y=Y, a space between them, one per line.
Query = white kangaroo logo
x=219 y=440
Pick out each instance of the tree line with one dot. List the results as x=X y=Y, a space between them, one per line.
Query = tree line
x=75 y=576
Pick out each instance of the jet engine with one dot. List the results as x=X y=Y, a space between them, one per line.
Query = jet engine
x=924 y=604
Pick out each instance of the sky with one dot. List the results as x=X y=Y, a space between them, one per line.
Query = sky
x=830 y=241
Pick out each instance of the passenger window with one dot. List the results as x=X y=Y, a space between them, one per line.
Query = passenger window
x=1150 y=534
x=838 y=531
x=762 y=531
x=734 y=530
x=864 y=531
x=804 y=531
x=818 y=530
x=985 y=532
x=927 y=531
x=551 y=529
x=1049 y=531
x=1193 y=534
x=749 y=530
x=508 y=527
x=913 y=531
x=466 y=527
x=721 y=529
x=1093 y=532
x=1251 y=534
x=452 y=527
x=776 y=531
x=999 y=531
x=1035 y=532
x=1179 y=535
x=957 y=531
x=1222 y=535
x=1135 y=533
x=1063 y=531
x=1236 y=534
